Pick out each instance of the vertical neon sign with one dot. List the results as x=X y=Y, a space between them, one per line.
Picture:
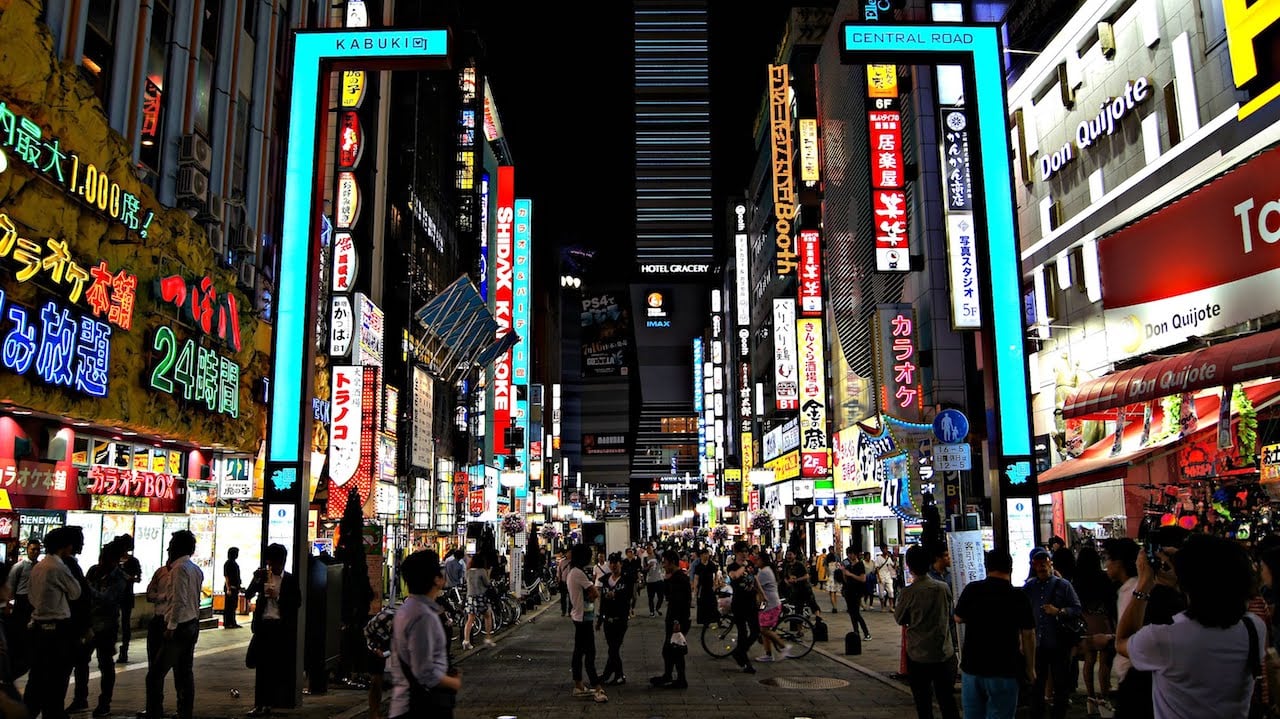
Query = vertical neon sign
x=520 y=317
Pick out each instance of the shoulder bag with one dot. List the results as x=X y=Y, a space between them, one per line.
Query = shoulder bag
x=423 y=701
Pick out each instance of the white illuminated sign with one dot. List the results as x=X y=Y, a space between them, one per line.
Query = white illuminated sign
x=344 y=423
x=786 y=386
x=341 y=326
x=962 y=269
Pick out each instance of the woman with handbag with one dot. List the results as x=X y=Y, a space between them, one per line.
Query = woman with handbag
x=423 y=683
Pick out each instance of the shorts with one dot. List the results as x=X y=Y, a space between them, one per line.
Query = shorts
x=478 y=606
x=769 y=617
x=886 y=589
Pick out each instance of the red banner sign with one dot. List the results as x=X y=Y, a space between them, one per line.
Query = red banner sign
x=886 y=149
x=503 y=302
x=132 y=483
x=810 y=284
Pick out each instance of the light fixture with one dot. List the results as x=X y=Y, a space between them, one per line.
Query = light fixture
x=720 y=501
x=511 y=480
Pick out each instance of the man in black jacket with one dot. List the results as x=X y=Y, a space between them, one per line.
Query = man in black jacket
x=679 y=597
x=275 y=623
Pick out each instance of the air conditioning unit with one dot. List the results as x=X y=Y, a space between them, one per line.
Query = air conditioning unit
x=246 y=275
x=217 y=240
x=212 y=210
x=242 y=238
x=193 y=186
x=194 y=151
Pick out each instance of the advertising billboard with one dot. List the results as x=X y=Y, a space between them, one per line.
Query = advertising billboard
x=503 y=267
x=786 y=386
x=815 y=448
x=606 y=335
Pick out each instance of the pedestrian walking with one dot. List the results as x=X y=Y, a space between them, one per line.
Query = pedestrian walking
x=924 y=608
x=705 y=581
x=631 y=574
x=172 y=636
x=133 y=571
x=615 y=608
x=744 y=604
x=1097 y=595
x=53 y=640
x=231 y=589
x=767 y=579
x=999 y=650
x=562 y=571
x=1206 y=662
x=423 y=683
x=109 y=586
x=1051 y=597
x=582 y=598
x=455 y=569
x=655 y=582
x=835 y=579
x=676 y=645
x=873 y=582
x=275 y=627
x=855 y=582
x=887 y=573
x=19 y=583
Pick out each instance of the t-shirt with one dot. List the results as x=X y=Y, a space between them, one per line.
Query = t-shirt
x=1197 y=671
x=576 y=583
x=854 y=587
x=995 y=613
x=744 y=601
x=769 y=585
x=654 y=571
x=924 y=608
x=706 y=575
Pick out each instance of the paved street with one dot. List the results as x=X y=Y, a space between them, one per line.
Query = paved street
x=527 y=676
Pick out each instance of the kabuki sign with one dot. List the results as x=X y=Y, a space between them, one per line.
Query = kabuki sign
x=784 y=192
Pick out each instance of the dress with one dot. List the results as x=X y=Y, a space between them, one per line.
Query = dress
x=708 y=609
x=833 y=569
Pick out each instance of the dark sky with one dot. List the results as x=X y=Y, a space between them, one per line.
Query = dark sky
x=561 y=74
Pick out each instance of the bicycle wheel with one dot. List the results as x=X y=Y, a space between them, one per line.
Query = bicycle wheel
x=720 y=639
x=797 y=631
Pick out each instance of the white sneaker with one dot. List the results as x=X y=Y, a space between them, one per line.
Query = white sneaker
x=765 y=658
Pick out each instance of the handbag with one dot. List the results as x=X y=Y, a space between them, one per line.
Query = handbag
x=251 y=656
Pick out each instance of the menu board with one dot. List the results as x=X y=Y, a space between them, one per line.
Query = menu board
x=149 y=544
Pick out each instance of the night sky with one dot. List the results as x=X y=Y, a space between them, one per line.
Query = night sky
x=565 y=99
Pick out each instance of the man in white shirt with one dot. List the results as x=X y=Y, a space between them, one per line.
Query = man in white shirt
x=180 y=623
x=53 y=641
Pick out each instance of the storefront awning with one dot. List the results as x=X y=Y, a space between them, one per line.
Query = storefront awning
x=1249 y=358
x=1097 y=463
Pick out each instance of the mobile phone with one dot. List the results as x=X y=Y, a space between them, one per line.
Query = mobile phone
x=1153 y=556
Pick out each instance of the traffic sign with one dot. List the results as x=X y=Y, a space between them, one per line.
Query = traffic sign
x=951 y=457
x=951 y=426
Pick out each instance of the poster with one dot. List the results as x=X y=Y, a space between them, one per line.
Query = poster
x=149 y=545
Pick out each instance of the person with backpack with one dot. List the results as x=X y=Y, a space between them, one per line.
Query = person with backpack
x=377 y=637
x=855 y=582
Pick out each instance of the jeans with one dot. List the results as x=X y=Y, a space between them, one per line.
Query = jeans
x=656 y=590
x=52 y=653
x=104 y=645
x=614 y=631
x=231 y=602
x=748 y=624
x=584 y=652
x=673 y=657
x=988 y=697
x=1055 y=662
x=933 y=680
x=854 y=604
x=175 y=653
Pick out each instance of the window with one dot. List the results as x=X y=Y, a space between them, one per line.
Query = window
x=206 y=69
x=99 y=47
x=240 y=158
x=251 y=19
x=1212 y=23
x=153 y=111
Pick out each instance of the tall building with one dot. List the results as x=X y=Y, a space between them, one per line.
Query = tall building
x=672 y=136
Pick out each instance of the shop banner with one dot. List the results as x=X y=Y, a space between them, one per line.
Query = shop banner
x=896 y=369
x=44 y=485
x=1208 y=261
x=786 y=386
x=815 y=446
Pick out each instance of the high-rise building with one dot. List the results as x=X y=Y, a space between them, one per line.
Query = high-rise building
x=673 y=137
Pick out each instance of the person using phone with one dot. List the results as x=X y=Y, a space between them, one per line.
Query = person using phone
x=275 y=625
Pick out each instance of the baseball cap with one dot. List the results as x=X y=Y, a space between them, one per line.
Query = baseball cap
x=1038 y=553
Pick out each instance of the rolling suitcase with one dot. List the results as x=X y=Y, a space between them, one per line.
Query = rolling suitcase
x=852 y=643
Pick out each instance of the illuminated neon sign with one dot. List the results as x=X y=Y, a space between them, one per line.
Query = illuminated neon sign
x=83 y=181
x=352 y=88
x=784 y=191
x=66 y=350
x=348 y=201
x=131 y=482
x=503 y=300
x=977 y=49
x=350 y=140
x=201 y=374
x=199 y=303
x=291 y=374
x=109 y=295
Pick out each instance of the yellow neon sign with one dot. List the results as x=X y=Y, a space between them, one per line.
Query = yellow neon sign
x=1244 y=24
